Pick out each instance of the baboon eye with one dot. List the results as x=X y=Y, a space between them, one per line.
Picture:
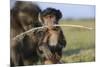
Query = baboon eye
x=47 y=16
x=50 y=16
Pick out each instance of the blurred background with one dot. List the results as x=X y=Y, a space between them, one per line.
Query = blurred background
x=80 y=41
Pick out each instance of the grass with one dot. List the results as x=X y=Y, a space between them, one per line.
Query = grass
x=80 y=42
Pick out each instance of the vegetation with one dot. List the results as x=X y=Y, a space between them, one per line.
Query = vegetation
x=80 y=42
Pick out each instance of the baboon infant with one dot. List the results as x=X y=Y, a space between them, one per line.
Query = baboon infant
x=53 y=41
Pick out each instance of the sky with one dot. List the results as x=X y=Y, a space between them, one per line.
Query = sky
x=69 y=10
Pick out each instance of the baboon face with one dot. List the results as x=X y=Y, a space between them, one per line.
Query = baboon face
x=50 y=16
x=25 y=15
x=49 y=20
x=26 y=20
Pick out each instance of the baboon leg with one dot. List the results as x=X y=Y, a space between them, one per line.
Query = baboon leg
x=14 y=59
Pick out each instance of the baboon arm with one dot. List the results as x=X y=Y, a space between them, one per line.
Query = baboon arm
x=62 y=39
x=46 y=51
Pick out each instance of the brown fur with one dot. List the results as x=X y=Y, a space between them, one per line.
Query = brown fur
x=53 y=41
x=24 y=16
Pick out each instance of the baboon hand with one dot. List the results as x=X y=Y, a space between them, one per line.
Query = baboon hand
x=46 y=52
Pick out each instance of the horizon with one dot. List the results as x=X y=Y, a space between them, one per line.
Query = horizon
x=74 y=11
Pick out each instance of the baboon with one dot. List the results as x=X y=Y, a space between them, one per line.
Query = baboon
x=53 y=41
x=27 y=49
x=24 y=16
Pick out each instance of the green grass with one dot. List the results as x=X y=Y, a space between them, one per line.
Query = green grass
x=80 y=42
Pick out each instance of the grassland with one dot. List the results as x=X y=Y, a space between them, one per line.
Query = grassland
x=80 y=42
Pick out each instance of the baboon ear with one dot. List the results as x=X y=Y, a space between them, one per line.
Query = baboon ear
x=39 y=18
x=59 y=14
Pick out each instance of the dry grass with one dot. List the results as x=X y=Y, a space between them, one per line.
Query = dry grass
x=80 y=42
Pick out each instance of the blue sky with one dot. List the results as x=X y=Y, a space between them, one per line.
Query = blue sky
x=72 y=10
x=69 y=10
